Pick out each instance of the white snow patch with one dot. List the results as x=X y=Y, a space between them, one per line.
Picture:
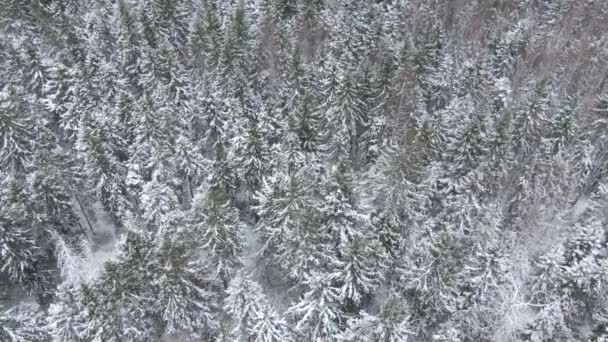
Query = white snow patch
x=85 y=265
x=251 y=248
x=579 y=208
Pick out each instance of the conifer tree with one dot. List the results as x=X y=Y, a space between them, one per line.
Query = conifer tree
x=50 y=190
x=299 y=108
x=466 y=149
x=568 y=279
x=66 y=320
x=205 y=38
x=379 y=170
x=390 y=324
x=251 y=152
x=187 y=293
x=157 y=200
x=102 y=169
x=254 y=319
x=529 y=124
x=563 y=126
x=15 y=121
x=271 y=327
x=317 y=314
x=217 y=220
x=117 y=305
x=22 y=256
x=382 y=91
x=171 y=18
x=341 y=217
x=358 y=273
x=345 y=111
x=21 y=324
x=427 y=61
x=281 y=211
x=190 y=164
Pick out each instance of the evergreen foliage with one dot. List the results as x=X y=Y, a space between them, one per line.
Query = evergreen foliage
x=303 y=170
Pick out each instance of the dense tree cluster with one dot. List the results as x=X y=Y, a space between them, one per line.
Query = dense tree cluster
x=304 y=170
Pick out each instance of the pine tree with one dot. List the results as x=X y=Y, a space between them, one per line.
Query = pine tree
x=51 y=182
x=589 y=156
x=428 y=60
x=382 y=92
x=397 y=187
x=434 y=130
x=236 y=62
x=390 y=324
x=205 y=38
x=155 y=122
x=530 y=133
x=22 y=324
x=271 y=327
x=466 y=149
x=529 y=123
x=20 y=250
x=280 y=210
x=499 y=154
x=157 y=199
x=308 y=124
x=299 y=108
x=293 y=154
x=210 y=114
x=317 y=314
x=563 y=126
x=358 y=273
x=599 y=110
x=98 y=151
x=186 y=292
x=345 y=112
x=436 y=255
x=118 y=306
x=250 y=312
x=112 y=314
x=484 y=276
x=65 y=320
x=190 y=164
x=214 y=216
x=251 y=153
x=567 y=282
x=171 y=18
x=340 y=214
x=69 y=93
x=15 y=134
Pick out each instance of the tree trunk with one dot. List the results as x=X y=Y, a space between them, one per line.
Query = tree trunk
x=84 y=213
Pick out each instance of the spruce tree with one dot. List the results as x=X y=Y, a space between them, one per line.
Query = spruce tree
x=217 y=220
x=186 y=291
x=390 y=324
x=22 y=323
x=251 y=153
x=66 y=319
x=98 y=150
x=117 y=305
x=249 y=310
x=317 y=314
x=358 y=273
x=16 y=136
x=22 y=255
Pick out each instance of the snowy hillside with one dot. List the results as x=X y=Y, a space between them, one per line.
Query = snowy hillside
x=303 y=170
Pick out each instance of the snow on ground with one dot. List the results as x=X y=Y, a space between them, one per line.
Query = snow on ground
x=101 y=246
x=76 y=268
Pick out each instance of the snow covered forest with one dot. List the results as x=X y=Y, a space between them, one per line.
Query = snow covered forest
x=303 y=170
